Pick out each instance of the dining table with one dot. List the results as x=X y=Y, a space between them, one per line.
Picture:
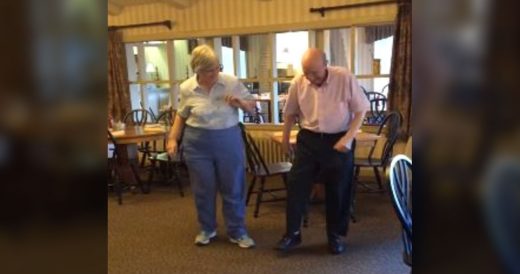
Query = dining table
x=137 y=134
x=127 y=140
x=363 y=138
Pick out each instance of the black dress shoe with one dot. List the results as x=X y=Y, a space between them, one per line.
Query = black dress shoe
x=288 y=242
x=336 y=245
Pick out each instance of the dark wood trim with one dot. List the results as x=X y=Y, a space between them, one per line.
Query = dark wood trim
x=322 y=10
x=167 y=23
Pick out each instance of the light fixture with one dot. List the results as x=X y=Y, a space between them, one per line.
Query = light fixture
x=150 y=68
x=152 y=71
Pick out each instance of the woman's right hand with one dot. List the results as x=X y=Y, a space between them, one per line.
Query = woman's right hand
x=171 y=147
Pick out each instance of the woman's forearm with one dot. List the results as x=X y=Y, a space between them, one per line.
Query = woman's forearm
x=176 y=130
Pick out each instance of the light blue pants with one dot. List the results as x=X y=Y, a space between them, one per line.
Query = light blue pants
x=215 y=160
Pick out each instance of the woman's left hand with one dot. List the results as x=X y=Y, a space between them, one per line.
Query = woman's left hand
x=233 y=101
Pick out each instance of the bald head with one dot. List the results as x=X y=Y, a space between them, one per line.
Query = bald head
x=314 y=55
x=314 y=66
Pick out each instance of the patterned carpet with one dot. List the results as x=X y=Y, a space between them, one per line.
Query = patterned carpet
x=154 y=233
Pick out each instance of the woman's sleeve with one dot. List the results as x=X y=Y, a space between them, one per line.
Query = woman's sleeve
x=184 y=110
x=242 y=92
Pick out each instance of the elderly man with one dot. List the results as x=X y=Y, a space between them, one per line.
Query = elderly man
x=330 y=107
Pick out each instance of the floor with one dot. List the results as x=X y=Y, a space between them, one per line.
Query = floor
x=153 y=233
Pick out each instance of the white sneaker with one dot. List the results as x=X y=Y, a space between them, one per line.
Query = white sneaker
x=205 y=238
x=244 y=241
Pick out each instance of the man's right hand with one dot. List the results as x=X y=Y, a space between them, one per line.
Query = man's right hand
x=171 y=147
x=287 y=149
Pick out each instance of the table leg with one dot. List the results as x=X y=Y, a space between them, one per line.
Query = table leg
x=127 y=164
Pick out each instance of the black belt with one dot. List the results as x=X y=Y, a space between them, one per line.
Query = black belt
x=324 y=135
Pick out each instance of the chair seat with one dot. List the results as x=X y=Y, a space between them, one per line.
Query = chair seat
x=274 y=169
x=163 y=157
x=169 y=167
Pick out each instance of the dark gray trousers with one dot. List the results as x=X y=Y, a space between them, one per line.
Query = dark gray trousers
x=315 y=155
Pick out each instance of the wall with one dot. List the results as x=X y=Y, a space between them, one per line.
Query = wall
x=225 y=17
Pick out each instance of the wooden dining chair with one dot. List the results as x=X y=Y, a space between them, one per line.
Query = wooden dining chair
x=168 y=167
x=390 y=125
x=363 y=89
x=400 y=176
x=162 y=163
x=257 y=117
x=499 y=192
x=153 y=116
x=408 y=148
x=384 y=90
x=378 y=102
x=259 y=169
x=374 y=160
x=166 y=118
x=140 y=117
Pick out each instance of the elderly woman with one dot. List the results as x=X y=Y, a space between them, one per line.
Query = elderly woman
x=213 y=148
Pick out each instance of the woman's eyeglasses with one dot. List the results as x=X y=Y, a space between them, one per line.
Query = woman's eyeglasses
x=208 y=71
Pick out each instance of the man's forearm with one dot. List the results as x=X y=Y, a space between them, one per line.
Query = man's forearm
x=287 y=126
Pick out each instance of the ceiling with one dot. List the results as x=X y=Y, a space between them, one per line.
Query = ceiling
x=115 y=7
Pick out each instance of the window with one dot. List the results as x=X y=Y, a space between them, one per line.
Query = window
x=265 y=70
x=383 y=52
x=156 y=61
x=148 y=74
x=290 y=47
x=373 y=56
x=182 y=55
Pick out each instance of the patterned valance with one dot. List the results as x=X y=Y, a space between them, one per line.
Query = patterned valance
x=374 y=33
